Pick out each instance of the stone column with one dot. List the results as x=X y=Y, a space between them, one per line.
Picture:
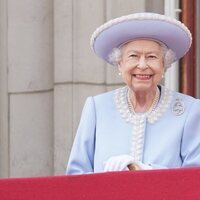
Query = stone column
x=78 y=73
x=28 y=68
x=4 y=136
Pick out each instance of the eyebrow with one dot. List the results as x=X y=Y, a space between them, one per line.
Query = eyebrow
x=135 y=51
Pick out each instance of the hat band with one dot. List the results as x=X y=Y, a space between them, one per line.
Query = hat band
x=142 y=38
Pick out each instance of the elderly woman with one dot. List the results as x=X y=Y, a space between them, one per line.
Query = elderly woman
x=142 y=125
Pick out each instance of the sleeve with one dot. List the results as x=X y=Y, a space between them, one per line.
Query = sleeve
x=82 y=154
x=190 y=147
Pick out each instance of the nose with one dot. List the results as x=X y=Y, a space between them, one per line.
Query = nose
x=142 y=64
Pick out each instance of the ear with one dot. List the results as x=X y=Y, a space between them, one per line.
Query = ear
x=119 y=66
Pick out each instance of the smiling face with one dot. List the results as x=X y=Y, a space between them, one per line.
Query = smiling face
x=141 y=64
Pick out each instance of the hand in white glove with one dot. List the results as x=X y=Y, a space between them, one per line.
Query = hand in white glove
x=137 y=165
x=118 y=163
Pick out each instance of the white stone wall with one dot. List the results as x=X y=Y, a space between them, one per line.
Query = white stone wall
x=47 y=70
x=26 y=136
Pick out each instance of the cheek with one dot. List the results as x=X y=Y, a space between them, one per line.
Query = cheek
x=124 y=69
x=126 y=74
x=159 y=73
x=160 y=67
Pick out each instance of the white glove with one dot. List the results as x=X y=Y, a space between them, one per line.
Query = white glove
x=118 y=163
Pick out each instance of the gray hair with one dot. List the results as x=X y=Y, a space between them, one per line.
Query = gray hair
x=168 y=55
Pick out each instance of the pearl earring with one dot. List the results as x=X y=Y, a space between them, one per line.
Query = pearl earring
x=119 y=73
x=163 y=76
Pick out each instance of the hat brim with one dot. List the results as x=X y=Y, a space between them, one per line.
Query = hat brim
x=172 y=35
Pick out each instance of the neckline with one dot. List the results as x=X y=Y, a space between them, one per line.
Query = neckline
x=152 y=107
x=121 y=102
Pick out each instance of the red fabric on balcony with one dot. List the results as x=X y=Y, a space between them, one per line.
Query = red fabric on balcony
x=172 y=184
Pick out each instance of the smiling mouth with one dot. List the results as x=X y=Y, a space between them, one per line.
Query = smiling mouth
x=142 y=76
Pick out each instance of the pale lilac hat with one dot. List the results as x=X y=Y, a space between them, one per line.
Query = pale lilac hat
x=174 y=34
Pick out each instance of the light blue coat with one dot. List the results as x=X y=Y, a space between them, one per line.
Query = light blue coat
x=172 y=141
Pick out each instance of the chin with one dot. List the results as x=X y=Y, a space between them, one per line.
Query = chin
x=142 y=87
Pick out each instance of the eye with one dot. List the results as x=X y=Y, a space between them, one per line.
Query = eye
x=152 y=56
x=133 y=56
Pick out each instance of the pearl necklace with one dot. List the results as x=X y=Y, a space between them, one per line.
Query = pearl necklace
x=121 y=102
x=152 y=107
